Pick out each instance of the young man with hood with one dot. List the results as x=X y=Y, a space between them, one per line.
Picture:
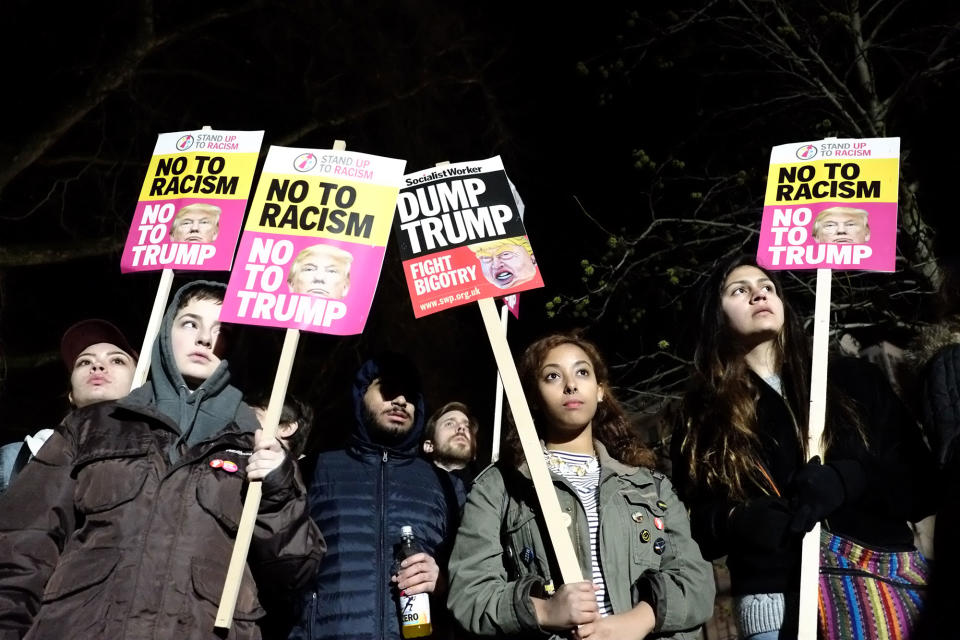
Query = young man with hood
x=123 y=525
x=361 y=496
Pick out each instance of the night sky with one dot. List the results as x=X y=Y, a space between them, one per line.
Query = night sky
x=567 y=99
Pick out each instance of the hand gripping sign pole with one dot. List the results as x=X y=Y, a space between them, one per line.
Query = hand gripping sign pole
x=810 y=559
x=251 y=505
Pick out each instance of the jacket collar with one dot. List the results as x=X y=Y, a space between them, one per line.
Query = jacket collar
x=608 y=466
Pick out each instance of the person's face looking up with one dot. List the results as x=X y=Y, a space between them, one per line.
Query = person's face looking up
x=453 y=438
x=101 y=372
x=196 y=340
x=752 y=306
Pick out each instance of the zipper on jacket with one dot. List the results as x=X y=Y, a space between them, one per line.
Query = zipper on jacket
x=837 y=571
x=313 y=618
x=382 y=503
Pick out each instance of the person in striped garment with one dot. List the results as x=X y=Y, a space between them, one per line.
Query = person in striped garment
x=740 y=463
x=643 y=573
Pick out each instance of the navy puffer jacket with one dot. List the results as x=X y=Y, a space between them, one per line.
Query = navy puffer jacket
x=360 y=498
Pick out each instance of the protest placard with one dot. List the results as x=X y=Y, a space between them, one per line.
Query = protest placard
x=313 y=245
x=192 y=201
x=454 y=222
x=461 y=236
x=831 y=204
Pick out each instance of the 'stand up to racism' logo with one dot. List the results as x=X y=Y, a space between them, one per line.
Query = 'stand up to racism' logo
x=185 y=142
x=806 y=152
x=305 y=162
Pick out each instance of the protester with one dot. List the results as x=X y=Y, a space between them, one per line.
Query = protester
x=362 y=496
x=450 y=442
x=296 y=422
x=198 y=222
x=739 y=455
x=124 y=524
x=643 y=574
x=842 y=225
x=931 y=376
x=101 y=364
x=321 y=270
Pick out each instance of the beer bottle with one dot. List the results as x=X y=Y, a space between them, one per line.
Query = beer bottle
x=415 y=609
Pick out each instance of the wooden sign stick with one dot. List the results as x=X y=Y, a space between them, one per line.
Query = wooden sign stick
x=153 y=328
x=532 y=450
x=498 y=401
x=810 y=559
x=251 y=505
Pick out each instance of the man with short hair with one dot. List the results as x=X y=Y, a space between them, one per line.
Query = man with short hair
x=197 y=222
x=450 y=442
x=361 y=497
x=450 y=438
x=124 y=524
x=101 y=364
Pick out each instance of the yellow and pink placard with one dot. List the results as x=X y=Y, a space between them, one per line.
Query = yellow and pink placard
x=313 y=245
x=461 y=237
x=192 y=201
x=831 y=204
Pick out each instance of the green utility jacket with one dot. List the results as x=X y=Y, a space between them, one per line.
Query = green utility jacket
x=500 y=558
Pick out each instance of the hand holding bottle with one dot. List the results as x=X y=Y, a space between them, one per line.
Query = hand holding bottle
x=417 y=574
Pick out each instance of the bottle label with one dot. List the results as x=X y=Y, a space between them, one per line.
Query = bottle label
x=415 y=610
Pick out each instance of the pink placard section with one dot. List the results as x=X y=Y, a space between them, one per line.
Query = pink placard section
x=300 y=282
x=184 y=233
x=829 y=235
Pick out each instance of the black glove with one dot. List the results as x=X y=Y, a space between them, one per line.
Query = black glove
x=762 y=523
x=820 y=489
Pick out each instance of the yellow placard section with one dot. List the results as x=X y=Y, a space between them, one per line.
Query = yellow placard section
x=861 y=180
x=323 y=207
x=199 y=174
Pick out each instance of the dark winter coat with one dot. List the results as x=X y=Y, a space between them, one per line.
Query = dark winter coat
x=900 y=480
x=360 y=497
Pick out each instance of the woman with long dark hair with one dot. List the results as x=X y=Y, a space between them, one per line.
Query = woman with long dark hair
x=642 y=572
x=739 y=456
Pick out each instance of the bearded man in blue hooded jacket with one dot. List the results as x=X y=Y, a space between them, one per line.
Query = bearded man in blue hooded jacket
x=360 y=498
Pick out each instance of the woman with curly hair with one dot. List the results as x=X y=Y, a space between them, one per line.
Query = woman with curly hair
x=739 y=460
x=644 y=575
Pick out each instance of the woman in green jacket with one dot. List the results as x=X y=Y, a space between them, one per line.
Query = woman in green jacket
x=645 y=576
